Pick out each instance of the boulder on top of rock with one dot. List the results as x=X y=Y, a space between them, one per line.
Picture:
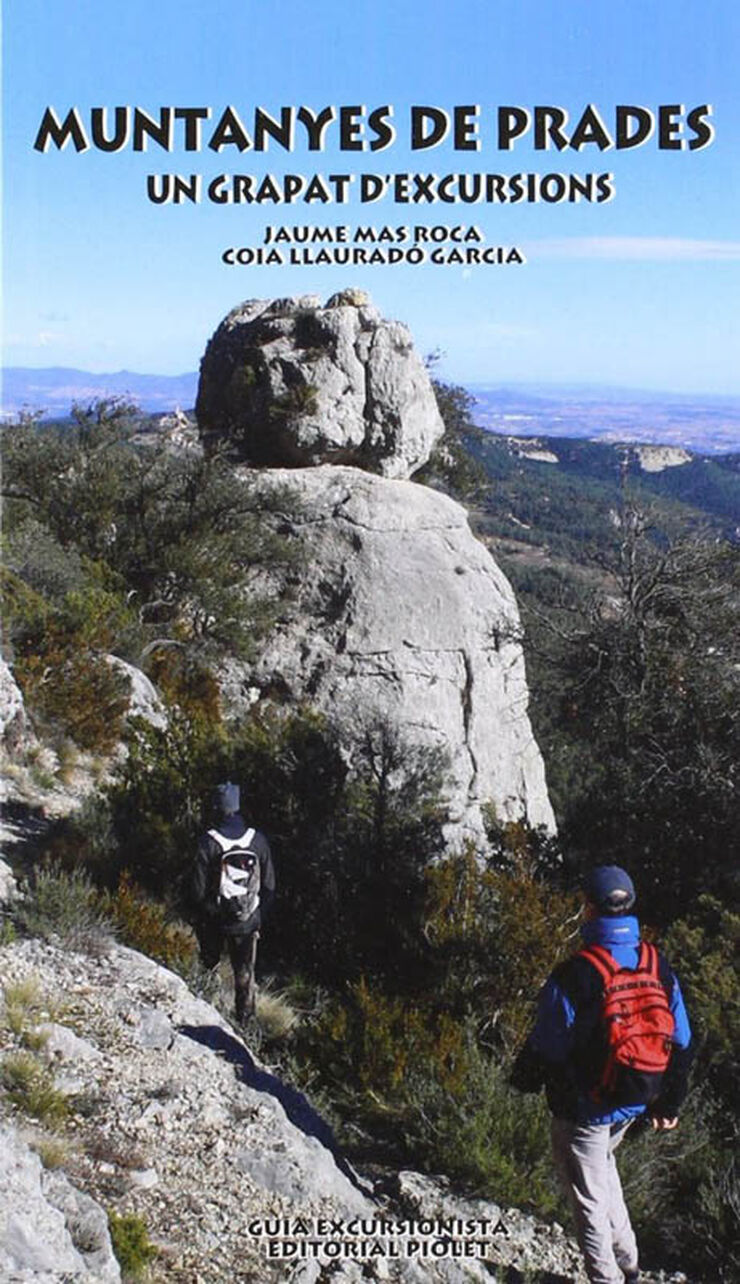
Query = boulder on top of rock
x=291 y=383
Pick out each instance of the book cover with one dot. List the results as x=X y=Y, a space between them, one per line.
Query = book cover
x=546 y=194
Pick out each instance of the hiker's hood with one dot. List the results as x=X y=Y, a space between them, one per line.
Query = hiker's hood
x=624 y=930
x=232 y=826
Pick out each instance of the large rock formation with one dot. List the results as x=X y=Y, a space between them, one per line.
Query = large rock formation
x=400 y=614
x=288 y=382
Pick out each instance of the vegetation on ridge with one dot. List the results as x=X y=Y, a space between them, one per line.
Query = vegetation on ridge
x=117 y=543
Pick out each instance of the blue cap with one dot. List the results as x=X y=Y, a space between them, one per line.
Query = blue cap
x=610 y=889
x=227 y=798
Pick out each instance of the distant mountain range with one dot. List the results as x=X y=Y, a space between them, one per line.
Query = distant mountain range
x=701 y=424
x=54 y=390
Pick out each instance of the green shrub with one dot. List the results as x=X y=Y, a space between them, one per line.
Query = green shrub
x=131 y=1244
x=147 y=822
x=8 y=933
x=704 y=948
x=486 y=1135
x=65 y=905
x=496 y=934
x=687 y=1190
x=118 y=543
x=452 y=467
x=65 y=680
x=186 y=682
x=298 y=402
x=683 y=1193
x=40 y=562
x=78 y=692
x=26 y=612
x=419 y=1082
x=716 y=1221
x=373 y=1040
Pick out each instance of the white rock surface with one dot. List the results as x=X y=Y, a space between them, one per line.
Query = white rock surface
x=399 y=613
x=215 y=1154
x=49 y=1230
x=8 y=885
x=516 y=1240
x=655 y=459
x=532 y=448
x=181 y=1125
x=144 y=699
x=288 y=382
x=15 y=732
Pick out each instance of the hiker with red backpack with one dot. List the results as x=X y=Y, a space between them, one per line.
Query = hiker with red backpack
x=231 y=889
x=611 y=1043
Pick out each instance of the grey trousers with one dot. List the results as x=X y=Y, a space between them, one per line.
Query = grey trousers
x=584 y=1158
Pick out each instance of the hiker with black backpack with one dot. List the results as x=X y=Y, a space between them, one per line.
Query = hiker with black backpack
x=232 y=888
x=611 y=1044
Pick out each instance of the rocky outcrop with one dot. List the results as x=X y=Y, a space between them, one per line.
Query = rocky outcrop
x=518 y=1242
x=400 y=615
x=144 y=701
x=234 y=1174
x=290 y=383
x=16 y=733
x=50 y=1230
x=40 y=784
x=179 y=1124
x=655 y=459
x=8 y=886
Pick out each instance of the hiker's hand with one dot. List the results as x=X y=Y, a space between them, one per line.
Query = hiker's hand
x=664 y=1125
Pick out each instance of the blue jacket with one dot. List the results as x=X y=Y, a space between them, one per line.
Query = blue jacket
x=559 y=1052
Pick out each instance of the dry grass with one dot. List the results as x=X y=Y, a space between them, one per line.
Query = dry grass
x=30 y=1087
x=275 y=1014
x=53 y=1152
x=25 y=1007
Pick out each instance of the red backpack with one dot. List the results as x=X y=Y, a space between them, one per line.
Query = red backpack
x=637 y=1027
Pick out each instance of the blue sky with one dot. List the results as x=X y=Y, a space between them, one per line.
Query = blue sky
x=641 y=291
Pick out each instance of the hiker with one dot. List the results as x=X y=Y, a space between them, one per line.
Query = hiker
x=232 y=888
x=597 y=1081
